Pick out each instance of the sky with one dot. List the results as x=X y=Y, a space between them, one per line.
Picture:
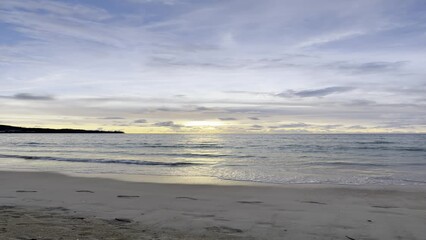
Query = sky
x=214 y=66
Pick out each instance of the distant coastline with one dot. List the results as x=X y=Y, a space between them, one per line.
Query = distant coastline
x=13 y=129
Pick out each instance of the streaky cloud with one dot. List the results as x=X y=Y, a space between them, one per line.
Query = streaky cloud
x=112 y=118
x=369 y=67
x=315 y=92
x=30 y=97
x=291 y=125
x=170 y=124
x=140 y=121
x=227 y=119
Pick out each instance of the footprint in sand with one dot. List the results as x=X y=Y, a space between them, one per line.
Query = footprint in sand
x=85 y=191
x=249 y=202
x=26 y=191
x=314 y=202
x=76 y=218
x=127 y=196
x=123 y=220
x=199 y=215
x=224 y=229
x=386 y=207
x=61 y=209
x=222 y=219
x=189 y=198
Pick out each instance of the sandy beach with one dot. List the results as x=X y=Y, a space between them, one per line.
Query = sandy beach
x=54 y=206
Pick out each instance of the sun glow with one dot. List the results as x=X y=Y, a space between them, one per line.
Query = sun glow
x=203 y=124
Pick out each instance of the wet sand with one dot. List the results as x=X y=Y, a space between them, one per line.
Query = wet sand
x=53 y=206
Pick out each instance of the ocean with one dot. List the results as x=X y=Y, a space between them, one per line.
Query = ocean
x=353 y=159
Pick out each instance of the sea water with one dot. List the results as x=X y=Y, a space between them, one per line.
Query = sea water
x=356 y=159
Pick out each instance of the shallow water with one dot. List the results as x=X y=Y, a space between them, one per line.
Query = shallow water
x=385 y=159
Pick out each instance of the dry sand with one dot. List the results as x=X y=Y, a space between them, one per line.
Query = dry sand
x=51 y=206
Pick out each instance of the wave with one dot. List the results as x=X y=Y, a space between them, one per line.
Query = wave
x=202 y=155
x=376 y=142
x=175 y=155
x=192 y=155
x=32 y=143
x=340 y=163
x=402 y=149
x=412 y=149
x=214 y=146
x=35 y=144
x=413 y=181
x=104 y=161
x=372 y=147
x=196 y=146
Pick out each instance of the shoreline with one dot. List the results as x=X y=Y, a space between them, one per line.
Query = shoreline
x=213 y=181
x=185 y=211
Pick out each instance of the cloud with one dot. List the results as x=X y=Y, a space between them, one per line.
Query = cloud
x=330 y=38
x=357 y=127
x=254 y=118
x=369 y=67
x=140 y=121
x=404 y=123
x=112 y=118
x=291 y=125
x=166 y=2
x=362 y=102
x=30 y=97
x=53 y=22
x=170 y=124
x=56 y=8
x=303 y=93
x=329 y=126
x=307 y=127
x=315 y=92
x=249 y=92
x=227 y=119
x=188 y=63
x=202 y=109
x=165 y=109
x=322 y=92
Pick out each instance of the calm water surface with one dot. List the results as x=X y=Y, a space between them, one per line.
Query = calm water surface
x=337 y=159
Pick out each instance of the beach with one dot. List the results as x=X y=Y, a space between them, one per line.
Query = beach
x=37 y=205
x=212 y=120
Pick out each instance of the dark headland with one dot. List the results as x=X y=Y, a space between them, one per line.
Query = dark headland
x=13 y=129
